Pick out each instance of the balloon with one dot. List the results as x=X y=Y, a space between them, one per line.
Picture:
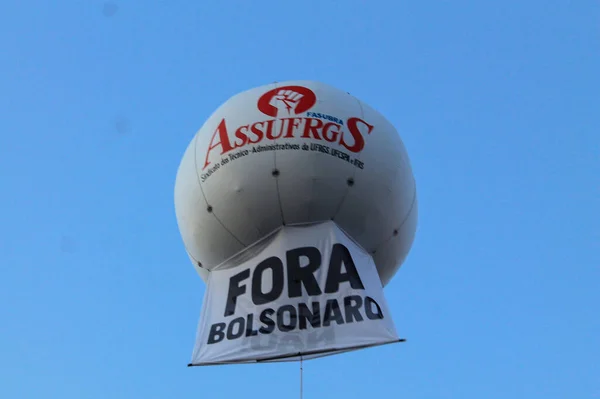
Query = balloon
x=289 y=153
x=296 y=203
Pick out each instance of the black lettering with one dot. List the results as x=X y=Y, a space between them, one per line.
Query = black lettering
x=276 y=266
x=303 y=275
x=238 y=321
x=250 y=331
x=235 y=290
x=352 y=305
x=341 y=255
x=332 y=313
x=313 y=317
x=265 y=318
x=281 y=319
x=216 y=333
x=369 y=309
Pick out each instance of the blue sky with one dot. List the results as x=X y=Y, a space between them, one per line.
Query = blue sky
x=497 y=102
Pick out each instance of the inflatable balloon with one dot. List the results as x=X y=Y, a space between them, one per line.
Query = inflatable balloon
x=296 y=203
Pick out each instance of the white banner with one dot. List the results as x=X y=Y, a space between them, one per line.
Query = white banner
x=304 y=291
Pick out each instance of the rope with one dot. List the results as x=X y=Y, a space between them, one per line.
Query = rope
x=301 y=377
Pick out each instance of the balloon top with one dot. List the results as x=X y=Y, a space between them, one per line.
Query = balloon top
x=289 y=153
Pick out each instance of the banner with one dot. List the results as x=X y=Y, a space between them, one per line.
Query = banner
x=302 y=292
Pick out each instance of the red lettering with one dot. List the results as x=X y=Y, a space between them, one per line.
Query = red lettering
x=257 y=131
x=270 y=124
x=270 y=134
x=359 y=141
x=329 y=134
x=223 y=142
x=240 y=134
x=287 y=127
x=312 y=126
x=292 y=124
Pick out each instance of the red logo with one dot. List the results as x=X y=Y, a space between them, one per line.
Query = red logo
x=286 y=101
x=284 y=104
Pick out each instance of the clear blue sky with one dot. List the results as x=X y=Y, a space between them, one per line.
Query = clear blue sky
x=497 y=102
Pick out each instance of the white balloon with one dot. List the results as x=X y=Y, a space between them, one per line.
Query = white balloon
x=291 y=153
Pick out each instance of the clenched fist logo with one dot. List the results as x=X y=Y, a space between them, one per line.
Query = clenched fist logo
x=286 y=101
